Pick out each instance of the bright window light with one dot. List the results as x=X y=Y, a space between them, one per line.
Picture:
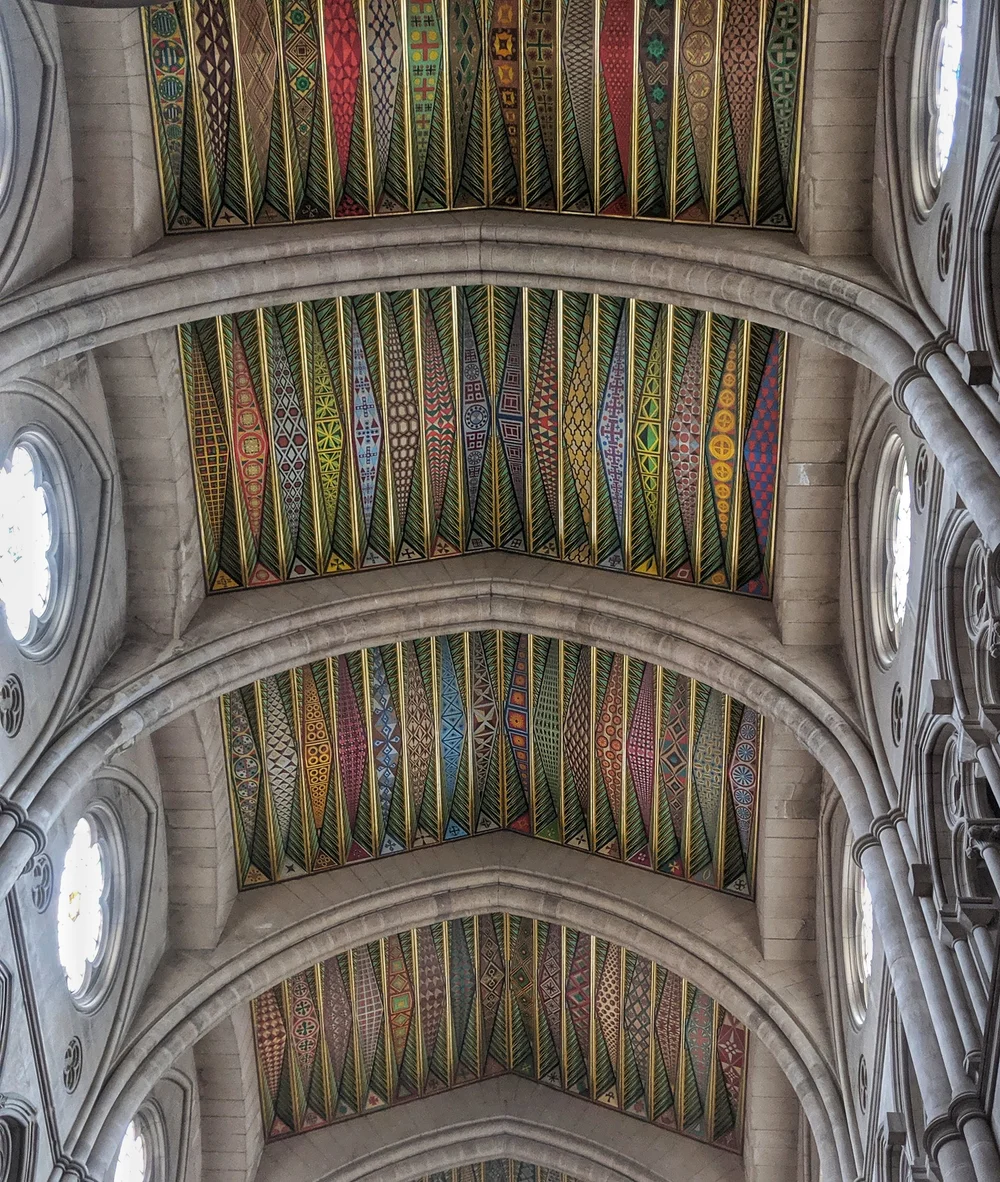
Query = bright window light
x=81 y=906
x=131 y=1166
x=949 y=59
x=898 y=538
x=866 y=933
x=25 y=543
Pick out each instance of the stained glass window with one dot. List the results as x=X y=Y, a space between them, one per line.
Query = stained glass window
x=81 y=918
x=947 y=61
x=26 y=543
x=132 y=1157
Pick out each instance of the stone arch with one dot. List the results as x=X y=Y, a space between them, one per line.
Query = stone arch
x=232 y=1136
x=270 y=630
x=499 y=1118
x=417 y=890
x=201 y=857
x=671 y=264
x=748 y=663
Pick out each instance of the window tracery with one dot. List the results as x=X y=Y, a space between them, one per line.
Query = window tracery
x=859 y=937
x=947 y=62
x=26 y=543
x=891 y=548
x=938 y=58
x=133 y=1157
x=980 y=622
x=83 y=908
x=958 y=783
x=37 y=544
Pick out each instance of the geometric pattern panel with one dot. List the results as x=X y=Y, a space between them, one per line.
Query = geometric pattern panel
x=436 y=1007
x=279 y=111
x=419 y=742
x=496 y=1170
x=352 y=433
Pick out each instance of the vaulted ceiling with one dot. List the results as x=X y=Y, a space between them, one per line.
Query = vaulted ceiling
x=275 y=111
x=388 y=749
x=344 y=434
x=440 y=1006
x=354 y=433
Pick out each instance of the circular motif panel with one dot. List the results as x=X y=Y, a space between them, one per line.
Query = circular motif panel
x=11 y=705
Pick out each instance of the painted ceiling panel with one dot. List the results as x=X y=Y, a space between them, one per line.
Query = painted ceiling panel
x=415 y=743
x=352 y=433
x=497 y=1170
x=433 y=1008
x=277 y=111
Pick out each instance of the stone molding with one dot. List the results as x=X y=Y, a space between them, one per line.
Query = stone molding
x=231 y=1127
x=201 y=862
x=507 y=1117
x=35 y=136
x=327 y=914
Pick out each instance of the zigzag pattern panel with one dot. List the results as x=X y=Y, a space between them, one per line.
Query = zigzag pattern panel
x=497 y=1170
x=282 y=111
x=345 y=434
x=434 y=1008
x=426 y=741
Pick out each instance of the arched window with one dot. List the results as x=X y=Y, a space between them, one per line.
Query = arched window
x=18 y=1139
x=865 y=932
x=898 y=544
x=88 y=915
x=946 y=61
x=938 y=58
x=133 y=1156
x=33 y=528
x=891 y=548
x=859 y=937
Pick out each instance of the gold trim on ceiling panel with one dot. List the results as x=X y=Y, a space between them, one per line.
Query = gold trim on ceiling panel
x=271 y=111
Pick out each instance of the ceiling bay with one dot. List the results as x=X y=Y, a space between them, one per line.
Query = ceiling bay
x=348 y=434
x=276 y=111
